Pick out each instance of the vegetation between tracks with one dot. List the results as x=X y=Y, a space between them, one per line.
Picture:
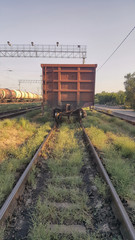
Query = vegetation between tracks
x=17 y=106
x=65 y=200
x=65 y=186
x=114 y=139
x=20 y=139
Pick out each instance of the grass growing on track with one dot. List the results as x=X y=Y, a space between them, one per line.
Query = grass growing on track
x=69 y=182
x=114 y=139
x=108 y=124
x=13 y=134
x=16 y=106
x=17 y=155
x=47 y=210
x=2 y=229
x=65 y=186
x=42 y=232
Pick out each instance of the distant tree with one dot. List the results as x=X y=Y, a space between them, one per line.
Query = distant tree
x=130 y=89
x=120 y=98
x=110 y=98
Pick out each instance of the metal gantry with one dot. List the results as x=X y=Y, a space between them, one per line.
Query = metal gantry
x=27 y=81
x=43 y=51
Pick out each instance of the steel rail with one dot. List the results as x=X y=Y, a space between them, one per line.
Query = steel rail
x=9 y=204
x=119 y=115
x=17 y=112
x=127 y=118
x=127 y=228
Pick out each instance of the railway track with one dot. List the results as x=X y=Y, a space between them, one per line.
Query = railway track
x=17 y=112
x=19 y=102
x=71 y=209
x=129 y=119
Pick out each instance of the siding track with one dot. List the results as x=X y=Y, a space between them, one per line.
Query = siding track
x=15 y=113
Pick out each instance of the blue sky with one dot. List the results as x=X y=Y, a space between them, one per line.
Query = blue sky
x=100 y=24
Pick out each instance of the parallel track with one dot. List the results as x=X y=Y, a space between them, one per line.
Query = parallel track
x=10 y=114
x=127 y=228
x=9 y=204
x=122 y=116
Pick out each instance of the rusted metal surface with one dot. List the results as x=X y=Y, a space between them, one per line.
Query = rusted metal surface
x=78 y=113
x=69 y=83
x=127 y=228
x=10 y=203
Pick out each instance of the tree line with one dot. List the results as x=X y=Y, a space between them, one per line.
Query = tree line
x=126 y=98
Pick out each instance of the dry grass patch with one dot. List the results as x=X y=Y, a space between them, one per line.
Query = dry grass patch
x=13 y=134
x=24 y=138
x=13 y=137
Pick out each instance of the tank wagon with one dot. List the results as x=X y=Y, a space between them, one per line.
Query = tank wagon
x=68 y=87
x=7 y=95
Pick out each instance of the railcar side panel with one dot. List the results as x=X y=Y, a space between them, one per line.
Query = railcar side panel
x=69 y=83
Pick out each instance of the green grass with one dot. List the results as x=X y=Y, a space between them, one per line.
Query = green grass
x=32 y=176
x=107 y=123
x=66 y=169
x=19 y=122
x=116 y=146
x=98 y=137
x=2 y=229
x=68 y=182
x=19 y=157
x=101 y=185
x=121 y=171
x=63 y=194
x=47 y=211
x=65 y=185
x=16 y=158
x=125 y=146
x=42 y=232
x=14 y=106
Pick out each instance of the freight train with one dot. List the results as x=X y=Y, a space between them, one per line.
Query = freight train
x=7 y=95
x=68 y=87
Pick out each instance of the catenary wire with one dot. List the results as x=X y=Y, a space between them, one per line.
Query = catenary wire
x=116 y=49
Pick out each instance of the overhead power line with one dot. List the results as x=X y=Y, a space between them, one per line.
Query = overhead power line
x=116 y=49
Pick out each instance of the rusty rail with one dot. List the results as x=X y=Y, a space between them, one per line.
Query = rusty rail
x=127 y=228
x=10 y=202
x=17 y=112
x=122 y=116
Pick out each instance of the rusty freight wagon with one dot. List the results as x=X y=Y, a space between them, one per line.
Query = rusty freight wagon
x=68 y=84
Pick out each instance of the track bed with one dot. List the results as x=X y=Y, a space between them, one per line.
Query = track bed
x=64 y=201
